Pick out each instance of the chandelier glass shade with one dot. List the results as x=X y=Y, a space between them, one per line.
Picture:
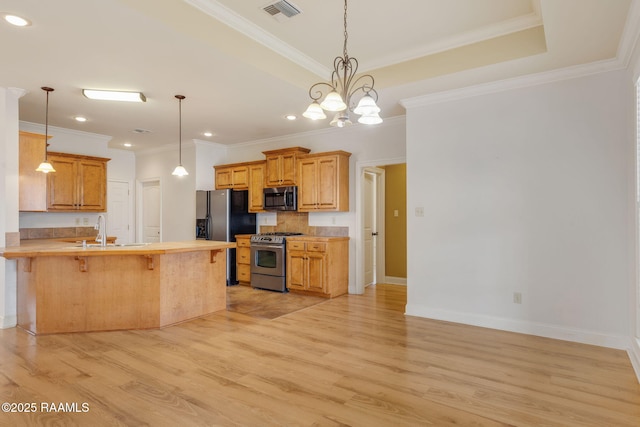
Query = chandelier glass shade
x=180 y=170
x=339 y=94
x=45 y=166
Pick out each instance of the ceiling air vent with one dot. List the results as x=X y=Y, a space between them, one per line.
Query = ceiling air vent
x=282 y=10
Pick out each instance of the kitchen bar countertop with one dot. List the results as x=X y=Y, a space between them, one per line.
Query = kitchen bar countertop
x=48 y=248
x=63 y=287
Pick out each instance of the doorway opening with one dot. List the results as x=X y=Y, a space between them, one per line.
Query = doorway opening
x=374 y=215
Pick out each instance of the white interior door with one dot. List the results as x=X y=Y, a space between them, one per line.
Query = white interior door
x=118 y=208
x=369 y=227
x=151 y=208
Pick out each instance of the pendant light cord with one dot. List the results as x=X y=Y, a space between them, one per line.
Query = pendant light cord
x=46 y=122
x=180 y=129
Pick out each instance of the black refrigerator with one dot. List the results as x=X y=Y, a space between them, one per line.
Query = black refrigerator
x=220 y=215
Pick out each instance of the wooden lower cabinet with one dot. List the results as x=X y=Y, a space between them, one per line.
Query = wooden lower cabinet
x=243 y=259
x=318 y=265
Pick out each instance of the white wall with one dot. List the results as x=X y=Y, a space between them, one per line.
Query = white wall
x=121 y=167
x=178 y=194
x=8 y=199
x=524 y=191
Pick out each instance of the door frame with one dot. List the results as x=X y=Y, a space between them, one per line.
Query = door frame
x=361 y=167
x=140 y=206
x=378 y=224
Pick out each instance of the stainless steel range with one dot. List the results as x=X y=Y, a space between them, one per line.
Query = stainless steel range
x=268 y=261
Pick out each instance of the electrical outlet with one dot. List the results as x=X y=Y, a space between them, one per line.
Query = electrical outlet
x=77 y=221
x=85 y=221
x=517 y=298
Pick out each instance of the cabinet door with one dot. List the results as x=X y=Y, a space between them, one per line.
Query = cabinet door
x=327 y=183
x=316 y=275
x=92 y=191
x=307 y=193
x=62 y=185
x=240 y=177
x=33 y=185
x=223 y=178
x=288 y=169
x=296 y=270
x=256 y=186
x=273 y=178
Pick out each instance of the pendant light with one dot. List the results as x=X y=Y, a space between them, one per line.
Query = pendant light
x=180 y=170
x=45 y=166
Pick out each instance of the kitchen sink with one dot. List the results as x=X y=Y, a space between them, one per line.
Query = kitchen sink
x=112 y=245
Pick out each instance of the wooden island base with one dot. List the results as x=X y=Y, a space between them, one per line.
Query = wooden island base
x=133 y=290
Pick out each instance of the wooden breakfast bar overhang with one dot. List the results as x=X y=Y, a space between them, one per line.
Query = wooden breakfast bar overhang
x=64 y=287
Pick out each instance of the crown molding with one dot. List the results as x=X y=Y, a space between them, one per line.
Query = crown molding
x=628 y=42
x=228 y=17
x=54 y=129
x=514 y=83
x=510 y=26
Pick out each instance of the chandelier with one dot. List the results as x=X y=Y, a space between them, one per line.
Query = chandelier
x=341 y=90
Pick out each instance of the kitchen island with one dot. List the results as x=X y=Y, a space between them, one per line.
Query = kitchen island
x=65 y=287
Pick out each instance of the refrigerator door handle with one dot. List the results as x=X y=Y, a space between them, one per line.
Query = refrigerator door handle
x=208 y=226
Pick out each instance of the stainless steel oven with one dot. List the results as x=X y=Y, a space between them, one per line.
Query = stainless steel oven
x=269 y=260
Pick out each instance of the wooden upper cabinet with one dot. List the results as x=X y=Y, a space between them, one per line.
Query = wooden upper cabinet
x=79 y=183
x=256 y=186
x=281 y=166
x=32 y=184
x=323 y=182
x=232 y=176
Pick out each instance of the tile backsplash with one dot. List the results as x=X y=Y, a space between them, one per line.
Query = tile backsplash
x=56 y=232
x=298 y=222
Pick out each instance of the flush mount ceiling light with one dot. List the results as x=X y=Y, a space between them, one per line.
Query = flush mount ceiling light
x=45 y=166
x=341 y=90
x=114 y=95
x=180 y=170
x=16 y=20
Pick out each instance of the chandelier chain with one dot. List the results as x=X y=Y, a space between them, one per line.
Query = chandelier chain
x=346 y=35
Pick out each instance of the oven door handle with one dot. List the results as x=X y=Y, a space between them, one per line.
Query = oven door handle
x=267 y=246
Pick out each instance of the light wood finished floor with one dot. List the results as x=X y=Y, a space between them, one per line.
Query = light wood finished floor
x=350 y=361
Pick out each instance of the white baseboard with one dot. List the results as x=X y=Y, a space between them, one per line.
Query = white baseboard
x=634 y=356
x=7 y=322
x=523 y=327
x=395 y=280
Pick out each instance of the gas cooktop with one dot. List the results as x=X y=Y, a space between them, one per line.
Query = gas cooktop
x=274 y=237
x=280 y=233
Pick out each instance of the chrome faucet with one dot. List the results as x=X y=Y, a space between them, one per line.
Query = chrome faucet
x=101 y=226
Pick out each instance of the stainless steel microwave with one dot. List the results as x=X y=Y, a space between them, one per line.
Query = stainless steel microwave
x=280 y=198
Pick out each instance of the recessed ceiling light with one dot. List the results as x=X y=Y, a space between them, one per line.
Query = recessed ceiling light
x=80 y=119
x=208 y=134
x=16 y=20
x=290 y=117
x=114 y=95
x=128 y=144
